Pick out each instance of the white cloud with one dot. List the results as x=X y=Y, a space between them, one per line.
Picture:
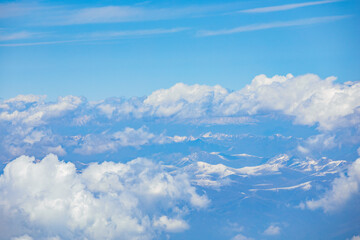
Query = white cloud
x=29 y=122
x=142 y=32
x=34 y=137
x=185 y=101
x=110 y=14
x=286 y=6
x=257 y=27
x=24 y=237
x=272 y=230
x=308 y=98
x=343 y=188
x=39 y=113
x=109 y=200
x=92 y=144
x=16 y=36
x=171 y=225
x=355 y=238
x=26 y=98
x=58 y=150
x=241 y=237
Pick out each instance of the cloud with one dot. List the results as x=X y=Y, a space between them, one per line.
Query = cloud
x=257 y=27
x=343 y=188
x=272 y=230
x=111 y=14
x=25 y=99
x=92 y=144
x=171 y=225
x=73 y=14
x=42 y=43
x=184 y=100
x=241 y=237
x=24 y=237
x=308 y=98
x=142 y=32
x=16 y=36
x=30 y=124
x=87 y=37
x=286 y=7
x=135 y=200
x=39 y=113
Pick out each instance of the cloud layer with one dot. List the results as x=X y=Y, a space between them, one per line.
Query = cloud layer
x=308 y=98
x=29 y=122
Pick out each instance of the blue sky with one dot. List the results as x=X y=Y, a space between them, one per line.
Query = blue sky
x=101 y=49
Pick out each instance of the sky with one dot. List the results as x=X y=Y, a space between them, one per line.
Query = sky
x=101 y=49
x=177 y=120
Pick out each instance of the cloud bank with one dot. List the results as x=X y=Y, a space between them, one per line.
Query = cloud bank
x=29 y=122
x=308 y=98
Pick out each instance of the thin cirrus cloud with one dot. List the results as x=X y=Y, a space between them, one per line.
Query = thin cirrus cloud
x=263 y=26
x=97 y=36
x=16 y=36
x=52 y=15
x=286 y=7
x=111 y=14
x=142 y=32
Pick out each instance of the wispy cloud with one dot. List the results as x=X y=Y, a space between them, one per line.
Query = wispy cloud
x=143 y=32
x=91 y=37
x=286 y=6
x=38 y=43
x=112 y=14
x=33 y=14
x=16 y=36
x=256 y=27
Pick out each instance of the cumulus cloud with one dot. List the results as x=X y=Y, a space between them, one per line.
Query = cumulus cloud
x=308 y=98
x=241 y=237
x=25 y=98
x=171 y=225
x=38 y=113
x=51 y=199
x=343 y=188
x=272 y=230
x=185 y=101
